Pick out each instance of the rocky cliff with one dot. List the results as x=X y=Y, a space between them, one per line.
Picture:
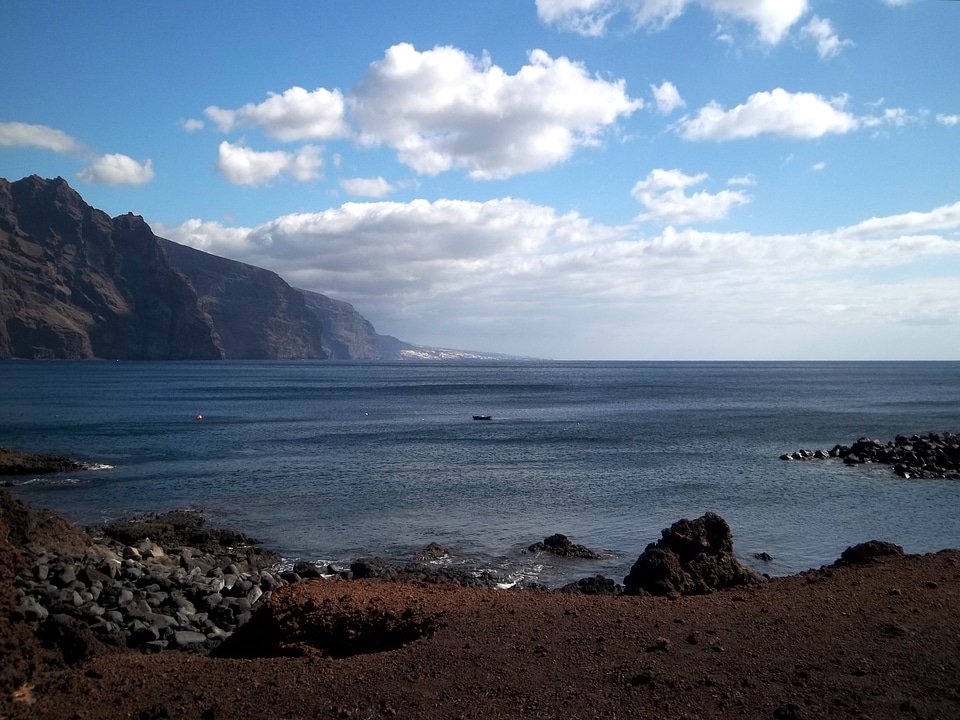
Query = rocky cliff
x=347 y=335
x=78 y=284
x=75 y=283
x=256 y=314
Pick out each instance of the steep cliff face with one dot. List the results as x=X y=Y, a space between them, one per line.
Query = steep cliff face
x=75 y=283
x=347 y=335
x=257 y=315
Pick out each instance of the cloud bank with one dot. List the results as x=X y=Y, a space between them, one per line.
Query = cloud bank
x=499 y=272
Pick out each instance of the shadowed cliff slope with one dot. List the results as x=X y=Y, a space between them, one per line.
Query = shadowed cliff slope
x=75 y=283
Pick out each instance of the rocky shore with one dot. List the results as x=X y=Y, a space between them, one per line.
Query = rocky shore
x=13 y=462
x=164 y=617
x=934 y=455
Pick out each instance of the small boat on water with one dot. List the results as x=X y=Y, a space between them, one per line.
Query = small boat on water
x=483 y=417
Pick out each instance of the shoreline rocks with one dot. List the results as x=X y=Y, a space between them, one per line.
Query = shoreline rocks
x=692 y=557
x=142 y=595
x=931 y=456
x=562 y=546
x=13 y=462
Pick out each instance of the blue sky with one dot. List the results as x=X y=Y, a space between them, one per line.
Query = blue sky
x=598 y=179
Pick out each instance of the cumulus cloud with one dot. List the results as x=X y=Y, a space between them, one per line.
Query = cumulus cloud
x=778 y=112
x=772 y=19
x=367 y=187
x=663 y=194
x=821 y=31
x=242 y=166
x=463 y=268
x=948 y=120
x=18 y=134
x=295 y=114
x=117 y=169
x=817 y=167
x=192 y=125
x=667 y=97
x=443 y=109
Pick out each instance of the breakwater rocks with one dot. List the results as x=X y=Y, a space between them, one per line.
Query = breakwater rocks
x=145 y=595
x=934 y=455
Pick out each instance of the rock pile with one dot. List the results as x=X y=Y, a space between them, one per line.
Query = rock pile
x=693 y=557
x=144 y=595
x=934 y=455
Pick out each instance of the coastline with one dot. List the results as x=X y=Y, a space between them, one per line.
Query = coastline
x=879 y=639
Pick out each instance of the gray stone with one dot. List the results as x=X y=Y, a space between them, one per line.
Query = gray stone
x=187 y=638
x=32 y=610
x=67 y=575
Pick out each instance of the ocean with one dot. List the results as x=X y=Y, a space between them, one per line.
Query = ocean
x=329 y=461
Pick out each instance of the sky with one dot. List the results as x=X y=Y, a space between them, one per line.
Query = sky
x=565 y=179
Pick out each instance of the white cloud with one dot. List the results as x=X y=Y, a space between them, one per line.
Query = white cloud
x=367 y=187
x=948 y=120
x=744 y=180
x=778 y=112
x=18 y=134
x=456 y=270
x=117 y=169
x=242 y=166
x=192 y=125
x=897 y=117
x=667 y=97
x=821 y=31
x=663 y=194
x=443 y=109
x=294 y=114
x=817 y=167
x=772 y=19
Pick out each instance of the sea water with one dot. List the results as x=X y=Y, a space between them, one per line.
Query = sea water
x=330 y=461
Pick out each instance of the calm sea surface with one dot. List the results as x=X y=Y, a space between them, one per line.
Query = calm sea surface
x=332 y=461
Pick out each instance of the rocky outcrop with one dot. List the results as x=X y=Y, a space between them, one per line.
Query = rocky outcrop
x=692 y=557
x=868 y=553
x=562 y=546
x=20 y=463
x=934 y=455
x=596 y=585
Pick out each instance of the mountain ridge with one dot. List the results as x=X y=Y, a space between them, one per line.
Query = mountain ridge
x=78 y=284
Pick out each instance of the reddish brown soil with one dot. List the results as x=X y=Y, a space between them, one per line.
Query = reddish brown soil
x=880 y=641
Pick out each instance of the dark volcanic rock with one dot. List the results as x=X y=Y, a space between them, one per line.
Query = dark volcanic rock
x=869 y=552
x=562 y=546
x=19 y=463
x=596 y=585
x=692 y=557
